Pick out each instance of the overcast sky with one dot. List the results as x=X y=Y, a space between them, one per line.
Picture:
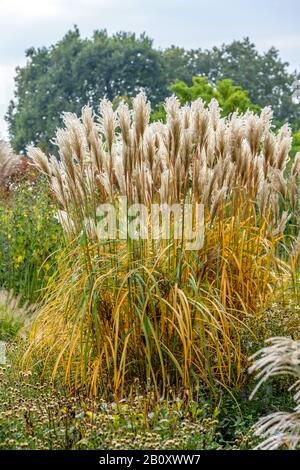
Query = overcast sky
x=188 y=23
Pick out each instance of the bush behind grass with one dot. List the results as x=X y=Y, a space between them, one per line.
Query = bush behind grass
x=29 y=237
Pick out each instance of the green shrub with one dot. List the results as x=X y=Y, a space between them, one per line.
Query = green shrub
x=29 y=235
x=296 y=143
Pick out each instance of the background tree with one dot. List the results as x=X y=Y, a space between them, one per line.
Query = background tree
x=264 y=76
x=77 y=71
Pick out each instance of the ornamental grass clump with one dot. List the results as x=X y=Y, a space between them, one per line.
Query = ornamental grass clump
x=151 y=307
x=281 y=356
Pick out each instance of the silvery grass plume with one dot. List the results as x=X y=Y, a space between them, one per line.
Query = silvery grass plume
x=281 y=356
x=196 y=155
x=163 y=312
x=7 y=160
x=15 y=313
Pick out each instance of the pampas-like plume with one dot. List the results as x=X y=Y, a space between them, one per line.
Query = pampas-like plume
x=12 y=309
x=284 y=142
x=282 y=224
x=141 y=114
x=281 y=356
x=218 y=199
x=196 y=151
x=156 y=309
x=7 y=160
x=42 y=161
x=67 y=223
x=296 y=165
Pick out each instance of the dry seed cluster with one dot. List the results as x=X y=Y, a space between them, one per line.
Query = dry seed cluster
x=7 y=160
x=197 y=155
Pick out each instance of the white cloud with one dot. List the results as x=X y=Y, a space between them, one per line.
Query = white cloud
x=187 y=23
x=30 y=9
x=7 y=72
x=289 y=40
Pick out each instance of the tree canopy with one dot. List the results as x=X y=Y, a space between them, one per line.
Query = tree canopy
x=78 y=71
x=265 y=76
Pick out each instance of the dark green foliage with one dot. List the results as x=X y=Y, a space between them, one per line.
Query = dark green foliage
x=77 y=71
x=264 y=76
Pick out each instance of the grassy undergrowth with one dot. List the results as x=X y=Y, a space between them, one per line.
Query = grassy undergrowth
x=35 y=416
